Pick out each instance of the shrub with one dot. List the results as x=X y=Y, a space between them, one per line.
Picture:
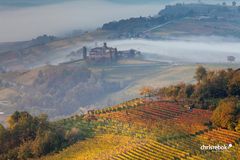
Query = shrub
x=234 y=85
x=25 y=151
x=225 y=114
x=189 y=89
x=47 y=142
x=3 y=139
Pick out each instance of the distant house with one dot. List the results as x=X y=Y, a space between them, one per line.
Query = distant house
x=107 y=54
x=102 y=53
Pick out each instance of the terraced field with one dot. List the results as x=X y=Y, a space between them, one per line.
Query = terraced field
x=154 y=151
x=152 y=130
x=149 y=111
x=100 y=147
x=194 y=120
x=153 y=112
x=192 y=143
x=221 y=135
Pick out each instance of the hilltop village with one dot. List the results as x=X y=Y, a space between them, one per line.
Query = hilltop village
x=105 y=54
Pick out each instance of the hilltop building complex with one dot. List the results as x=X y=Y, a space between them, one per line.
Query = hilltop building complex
x=105 y=53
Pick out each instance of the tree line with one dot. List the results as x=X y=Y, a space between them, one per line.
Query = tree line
x=31 y=137
x=209 y=85
x=218 y=91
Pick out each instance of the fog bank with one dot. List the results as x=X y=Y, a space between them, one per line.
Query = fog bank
x=204 y=50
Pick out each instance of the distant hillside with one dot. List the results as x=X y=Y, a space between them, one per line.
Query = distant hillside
x=201 y=19
x=15 y=52
x=57 y=90
x=44 y=50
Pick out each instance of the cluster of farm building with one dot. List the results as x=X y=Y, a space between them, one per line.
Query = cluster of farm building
x=105 y=53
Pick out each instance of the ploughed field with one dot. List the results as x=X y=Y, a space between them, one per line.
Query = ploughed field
x=143 y=129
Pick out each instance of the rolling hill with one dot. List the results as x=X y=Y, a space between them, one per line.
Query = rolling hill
x=181 y=20
x=153 y=127
x=157 y=129
x=50 y=89
x=95 y=111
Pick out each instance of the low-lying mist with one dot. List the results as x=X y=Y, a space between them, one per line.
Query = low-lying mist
x=199 y=49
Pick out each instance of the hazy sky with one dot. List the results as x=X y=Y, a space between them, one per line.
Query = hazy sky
x=27 y=19
x=22 y=23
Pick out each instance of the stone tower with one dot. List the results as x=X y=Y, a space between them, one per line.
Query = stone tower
x=84 y=52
